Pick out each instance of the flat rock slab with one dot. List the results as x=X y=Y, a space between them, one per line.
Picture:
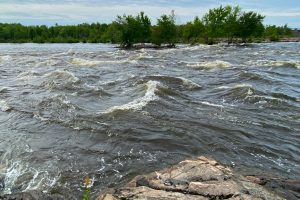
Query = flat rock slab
x=198 y=179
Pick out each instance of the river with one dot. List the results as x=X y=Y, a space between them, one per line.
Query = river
x=68 y=111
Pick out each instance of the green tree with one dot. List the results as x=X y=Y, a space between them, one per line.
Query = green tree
x=113 y=33
x=284 y=30
x=165 y=31
x=250 y=24
x=192 y=31
x=231 y=22
x=134 y=29
x=144 y=29
x=187 y=31
x=271 y=32
x=128 y=26
x=214 y=22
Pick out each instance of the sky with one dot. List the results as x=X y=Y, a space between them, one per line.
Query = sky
x=49 y=12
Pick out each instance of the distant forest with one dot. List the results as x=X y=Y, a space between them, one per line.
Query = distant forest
x=225 y=23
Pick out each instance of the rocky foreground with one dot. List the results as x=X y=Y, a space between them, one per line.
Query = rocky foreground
x=197 y=179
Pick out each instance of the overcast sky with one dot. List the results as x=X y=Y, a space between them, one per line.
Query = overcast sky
x=49 y=12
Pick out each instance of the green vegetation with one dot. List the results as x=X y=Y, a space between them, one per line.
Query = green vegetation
x=274 y=32
x=165 y=31
x=250 y=24
x=133 y=29
x=227 y=23
x=87 y=188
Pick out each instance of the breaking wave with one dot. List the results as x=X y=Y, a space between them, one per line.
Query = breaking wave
x=139 y=103
x=49 y=62
x=241 y=85
x=84 y=62
x=209 y=64
x=60 y=79
x=5 y=89
x=142 y=55
x=56 y=108
x=5 y=58
x=178 y=81
x=211 y=104
x=278 y=63
x=189 y=84
x=25 y=76
x=238 y=91
x=4 y=106
x=24 y=177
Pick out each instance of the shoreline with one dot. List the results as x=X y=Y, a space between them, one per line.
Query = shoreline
x=203 y=178
x=200 y=178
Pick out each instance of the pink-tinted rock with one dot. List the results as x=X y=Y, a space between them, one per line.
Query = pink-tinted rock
x=200 y=178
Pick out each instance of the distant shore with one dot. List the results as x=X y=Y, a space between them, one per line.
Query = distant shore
x=163 y=46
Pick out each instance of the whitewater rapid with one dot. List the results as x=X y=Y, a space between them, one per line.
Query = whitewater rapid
x=68 y=111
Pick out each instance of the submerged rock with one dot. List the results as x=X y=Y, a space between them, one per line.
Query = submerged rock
x=201 y=178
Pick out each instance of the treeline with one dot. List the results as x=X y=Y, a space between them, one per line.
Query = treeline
x=228 y=23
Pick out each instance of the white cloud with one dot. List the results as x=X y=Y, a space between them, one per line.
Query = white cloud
x=86 y=12
x=79 y=11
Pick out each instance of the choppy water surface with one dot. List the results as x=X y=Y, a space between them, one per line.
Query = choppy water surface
x=72 y=110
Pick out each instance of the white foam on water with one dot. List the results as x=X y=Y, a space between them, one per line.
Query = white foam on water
x=49 y=62
x=143 y=54
x=25 y=76
x=11 y=175
x=189 y=84
x=276 y=63
x=62 y=74
x=71 y=51
x=37 y=116
x=139 y=103
x=249 y=92
x=34 y=179
x=267 y=97
x=6 y=89
x=211 y=104
x=84 y=62
x=196 y=47
x=59 y=78
x=4 y=106
x=209 y=64
x=281 y=63
x=5 y=58
x=240 y=85
x=224 y=87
